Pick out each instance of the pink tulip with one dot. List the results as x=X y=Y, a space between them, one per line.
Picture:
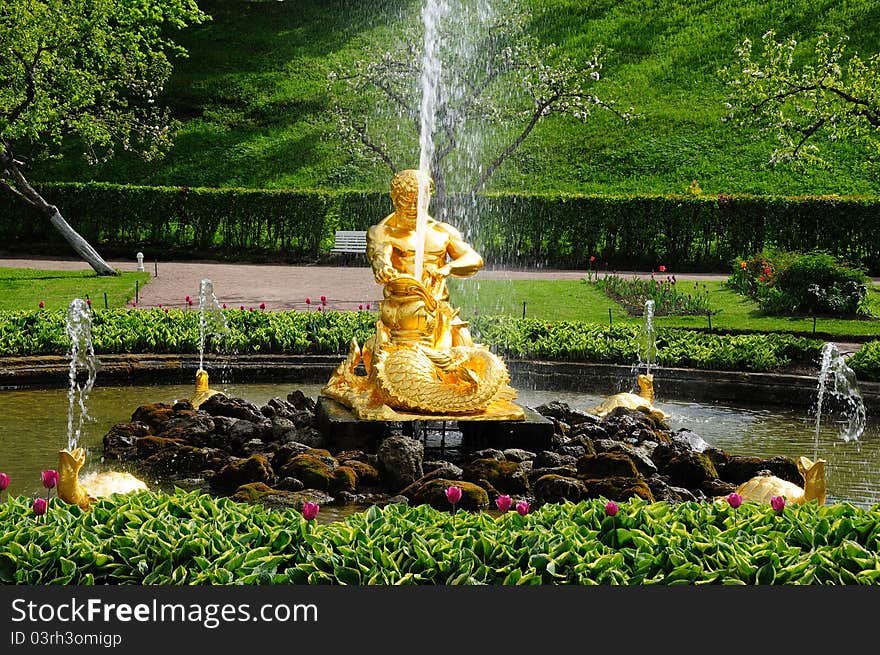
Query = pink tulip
x=42 y=304
x=4 y=481
x=611 y=508
x=323 y=300
x=241 y=307
x=735 y=500
x=310 y=510
x=360 y=307
x=250 y=309
x=308 y=301
x=224 y=305
x=503 y=503
x=453 y=494
x=320 y=308
x=522 y=507
x=778 y=504
x=368 y=306
x=40 y=505
x=89 y=302
x=263 y=305
x=165 y=309
x=50 y=478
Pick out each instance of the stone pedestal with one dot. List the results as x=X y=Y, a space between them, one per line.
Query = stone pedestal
x=344 y=431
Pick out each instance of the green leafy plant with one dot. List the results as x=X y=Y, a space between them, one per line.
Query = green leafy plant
x=669 y=296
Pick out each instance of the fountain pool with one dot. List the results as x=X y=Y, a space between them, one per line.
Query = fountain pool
x=33 y=429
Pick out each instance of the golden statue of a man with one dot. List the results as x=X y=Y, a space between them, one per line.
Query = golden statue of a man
x=422 y=361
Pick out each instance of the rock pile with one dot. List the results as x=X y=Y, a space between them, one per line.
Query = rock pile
x=276 y=455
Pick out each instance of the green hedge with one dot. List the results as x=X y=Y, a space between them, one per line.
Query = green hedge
x=683 y=232
x=116 y=331
x=187 y=539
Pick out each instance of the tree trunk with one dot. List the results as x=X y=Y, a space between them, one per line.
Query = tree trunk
x=21 y=188
x=82 y=247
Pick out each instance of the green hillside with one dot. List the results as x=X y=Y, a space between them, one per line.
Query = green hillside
x=255 y=111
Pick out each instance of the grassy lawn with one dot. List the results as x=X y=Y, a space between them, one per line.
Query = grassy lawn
x=24 y=288
x=577 y=300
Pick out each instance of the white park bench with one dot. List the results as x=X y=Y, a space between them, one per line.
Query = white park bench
x=351 y=241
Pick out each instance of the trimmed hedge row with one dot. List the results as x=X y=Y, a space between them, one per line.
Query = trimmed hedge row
x=192 y=539
x=563 y=231
x=115 y=331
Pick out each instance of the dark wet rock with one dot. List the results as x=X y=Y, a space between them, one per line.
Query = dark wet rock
x=259 y=493
x=503 y=476
x=717 y=488
x=121 y=441
x=309 y=436
x=690 y=469
x=343 y=479
x=590 y=431
x=400 y=461
x=602 y=465
x=287 y=452
x=565 y=471
x=253 y=447
x=574 y=450
x=558 y=489
x=518 y=455
x=150 y=445
x=668 y=493
x=196 y=429
x=643 y=463
x=290 y=484
x=433 y=493
x=367 y=474
x=739 y=469
x=488 y=453
x=153 y=414
x=619 y=489
x=236 y=473
x=301 y=402
x=441 y=472
x=185 y=460
x=551 y=459
x=690 y=440
x=311 y=469
x=220 y=405
x=563 y=412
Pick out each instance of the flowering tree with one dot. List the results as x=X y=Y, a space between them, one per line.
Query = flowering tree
x=88 y=71
x=830 y=95
x=494 y=74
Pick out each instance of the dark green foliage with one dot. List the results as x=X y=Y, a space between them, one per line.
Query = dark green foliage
x=791 y=283
x=683 y=232
x=192 y=539
x=866 y=362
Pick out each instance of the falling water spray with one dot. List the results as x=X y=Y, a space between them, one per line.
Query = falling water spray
x=432 y=15
x=82 y=357
x=212 y=320
x=838 y=381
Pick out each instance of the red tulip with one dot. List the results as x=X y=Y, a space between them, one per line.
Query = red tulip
x=503 y=503
x=241 y=307
x=50 y=478
x=308 y=301
x=767 y=270
x=42 y=304
x=592 y=258
x=262 y=305
x=165 y=310
x=89 y=302
x=760 y=278
x=4 y=481
x=778 y=504
x=453 y=494
x=323 y=300
x=360 y=307
x=522 y=507
x=662 y=268
x=611 y=508
x=320 y=308
x=250 y=309
x=734 y=499
x=224 y=305
x=310 y=510
x=40 y=505
x=368 y=306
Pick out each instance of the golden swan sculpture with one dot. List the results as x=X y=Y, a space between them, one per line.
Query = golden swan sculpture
x=93 y=486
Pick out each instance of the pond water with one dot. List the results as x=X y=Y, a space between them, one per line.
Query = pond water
x=33 y=428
